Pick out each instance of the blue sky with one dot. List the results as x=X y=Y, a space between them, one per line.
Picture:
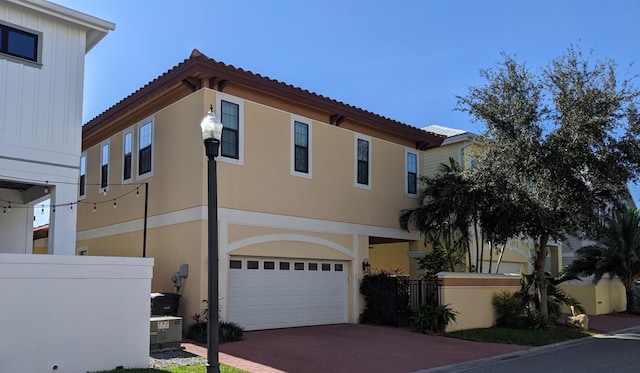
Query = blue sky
x=402 y=59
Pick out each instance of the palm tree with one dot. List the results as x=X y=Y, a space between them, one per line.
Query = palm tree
x=616 y=253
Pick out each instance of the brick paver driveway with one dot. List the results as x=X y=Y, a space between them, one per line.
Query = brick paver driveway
x=356 y=348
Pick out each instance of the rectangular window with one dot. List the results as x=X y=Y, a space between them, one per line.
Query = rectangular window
x=104 y=167
x=127 y=149
x=269 y=265
x=326 y=267
x=252 y=264
x=284 y=266
x=313 y=266
x=363 y=163
x=20 y=43
x=298 y=266
x=235 y=264
x=337 y=267
x=301 y=134
x=412 y=173
x=83 y=175
x=230 y=118
x=145 y=141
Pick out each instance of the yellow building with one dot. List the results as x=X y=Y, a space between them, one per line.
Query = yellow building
x=306 y=185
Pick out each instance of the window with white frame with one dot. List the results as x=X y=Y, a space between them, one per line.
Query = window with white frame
x=412 y=173
x=145 y=149
x=127 y=156
x=20 y=44
x=301 y=151
x=230 y=111
x=104 y=167
x=230 y=118
x=82 y=190
x=363 y=162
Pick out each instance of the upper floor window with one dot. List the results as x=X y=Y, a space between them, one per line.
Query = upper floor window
x=145 y=142
x=300 y=147
x=363 y=164
x=230 y=110
x=104 y=167
x=127 y=161
x=83 y=176
x=230 y=117
x=412 y=173
x=21 y=43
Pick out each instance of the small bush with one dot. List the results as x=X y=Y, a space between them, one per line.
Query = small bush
x=227 y=331
x=230 y=332
x=432 y=318
x=510 y=310
x=379 y=291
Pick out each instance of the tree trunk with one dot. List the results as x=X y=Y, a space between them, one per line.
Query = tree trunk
x=490 y=256
x=481 y=251
x=475 y=234
x=629 y=293
x=538 y=267
x=500 y=258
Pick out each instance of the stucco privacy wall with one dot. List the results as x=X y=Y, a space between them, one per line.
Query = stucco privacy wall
x=470 y=295
x=605 y=297
x=81 y=313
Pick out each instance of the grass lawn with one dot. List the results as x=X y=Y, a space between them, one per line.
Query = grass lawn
x=524 y=337
x=187 y=369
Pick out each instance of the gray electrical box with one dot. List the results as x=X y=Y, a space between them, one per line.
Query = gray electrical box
x=166 y=332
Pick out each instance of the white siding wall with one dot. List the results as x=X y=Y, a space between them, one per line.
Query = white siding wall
x=41 y=108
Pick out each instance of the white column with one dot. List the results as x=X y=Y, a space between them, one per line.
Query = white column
x=62 y=223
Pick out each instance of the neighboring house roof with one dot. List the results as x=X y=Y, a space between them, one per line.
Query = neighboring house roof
x=452 y=135
x=41 y=232
x=199 y=71
x=96 y=28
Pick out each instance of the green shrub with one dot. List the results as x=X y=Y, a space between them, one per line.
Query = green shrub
x=510 y=309
x=380 y=292
x=227 y=331
x=230 y=332
x=432 y=318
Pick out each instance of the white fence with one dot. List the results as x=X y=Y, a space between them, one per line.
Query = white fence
x=73 y=313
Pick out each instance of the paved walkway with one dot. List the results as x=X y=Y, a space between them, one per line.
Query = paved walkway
x=365 y=348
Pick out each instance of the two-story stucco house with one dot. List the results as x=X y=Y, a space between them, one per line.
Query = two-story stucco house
x=306 y=185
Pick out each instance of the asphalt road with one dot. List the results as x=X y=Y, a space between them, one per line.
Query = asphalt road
x=609 y=353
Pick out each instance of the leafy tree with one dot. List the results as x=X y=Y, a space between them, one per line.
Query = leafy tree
x=616 y=253
x=560 y=146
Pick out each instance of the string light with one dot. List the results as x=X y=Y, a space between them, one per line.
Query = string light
x=94 y=207
x=4 y=210
x=42 y=212
x=9 y=209
x=137 y=192
x=114 y=204
x=46 y=187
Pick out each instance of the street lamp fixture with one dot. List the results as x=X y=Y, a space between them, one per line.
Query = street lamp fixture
x=211 y=134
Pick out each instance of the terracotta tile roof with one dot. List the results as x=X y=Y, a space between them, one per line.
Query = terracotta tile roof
x=41 y=232
x=198 y=70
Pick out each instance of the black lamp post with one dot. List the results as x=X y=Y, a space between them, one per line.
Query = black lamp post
x=211 y=133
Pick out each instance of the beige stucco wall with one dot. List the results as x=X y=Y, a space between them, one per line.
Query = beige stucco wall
x=605 y=297
x=470 y=295
x=390 y=256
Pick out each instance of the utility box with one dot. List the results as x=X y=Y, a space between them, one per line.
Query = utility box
x=166 y=332
x=165 y=304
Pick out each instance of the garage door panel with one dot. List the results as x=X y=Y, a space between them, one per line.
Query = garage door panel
x=276 y=298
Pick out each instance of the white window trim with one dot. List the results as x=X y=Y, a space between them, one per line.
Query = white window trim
x=83 y=196
x=100 y=188
x=220 y=96
x=132 y=131
x=308 y=122
x=406 y=172
x=135 y=170
x=355 y=161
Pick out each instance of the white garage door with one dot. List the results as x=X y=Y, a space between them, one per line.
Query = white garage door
x=267 y=293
